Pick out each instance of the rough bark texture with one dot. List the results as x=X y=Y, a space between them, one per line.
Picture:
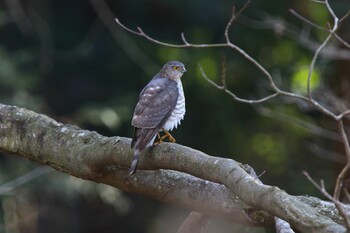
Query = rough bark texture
x=193 y=179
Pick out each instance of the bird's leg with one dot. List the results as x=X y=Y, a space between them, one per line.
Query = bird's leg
x=166 y=135
x=159 y=138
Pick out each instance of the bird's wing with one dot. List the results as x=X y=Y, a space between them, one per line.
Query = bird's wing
x=156 y=103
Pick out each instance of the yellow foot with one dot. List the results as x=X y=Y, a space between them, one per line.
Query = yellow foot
x=167 y=135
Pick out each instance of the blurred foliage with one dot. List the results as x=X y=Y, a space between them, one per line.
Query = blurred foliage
x=59 y=58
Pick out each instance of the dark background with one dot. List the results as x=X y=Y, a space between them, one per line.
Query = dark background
x=71 y=61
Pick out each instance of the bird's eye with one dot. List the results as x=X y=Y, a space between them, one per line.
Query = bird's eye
x=176 y=67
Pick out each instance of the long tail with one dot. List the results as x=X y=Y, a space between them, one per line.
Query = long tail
x=142 y=141
x=134 y=162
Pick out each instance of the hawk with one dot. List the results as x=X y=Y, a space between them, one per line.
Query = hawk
x=161 y=107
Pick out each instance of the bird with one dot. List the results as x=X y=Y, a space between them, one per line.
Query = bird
x=161 y=107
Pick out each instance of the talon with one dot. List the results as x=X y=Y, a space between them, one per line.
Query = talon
x=166 y=135
x=171 y=138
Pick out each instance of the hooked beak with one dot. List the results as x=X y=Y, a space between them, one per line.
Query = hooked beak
x=184 y=70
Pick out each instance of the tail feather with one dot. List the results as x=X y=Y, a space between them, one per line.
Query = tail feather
x=134 y=162
x=142 y=140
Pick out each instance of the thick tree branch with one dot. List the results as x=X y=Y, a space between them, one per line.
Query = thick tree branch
x=89 y=155
x=86 y=155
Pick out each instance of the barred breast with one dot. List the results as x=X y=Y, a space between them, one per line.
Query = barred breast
x=179 y=111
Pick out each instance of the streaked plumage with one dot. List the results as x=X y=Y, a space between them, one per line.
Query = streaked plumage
x=161 y=105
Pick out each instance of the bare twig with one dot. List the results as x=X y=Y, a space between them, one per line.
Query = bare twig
x=332 y=32
x=316 y=54
x=341 y=176
x=336 y=202
x=302 y=18
x=341 y=40
x=281 y=26
x=317 y=1
x=232 y=94
x=234 y=15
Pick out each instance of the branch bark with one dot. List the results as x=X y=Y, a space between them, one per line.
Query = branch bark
x=194 y=180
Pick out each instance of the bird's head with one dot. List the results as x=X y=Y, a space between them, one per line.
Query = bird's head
x=173 y=70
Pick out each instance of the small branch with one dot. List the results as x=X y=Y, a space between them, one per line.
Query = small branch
x=316 y=54
x=140 y=32
x=232 y=94
x=342 y=174
x=234 y=16
x=309 y=22
x=184 y=39
x=341 y=40
x=318 y=1
x=302 y=18
x=336 y=202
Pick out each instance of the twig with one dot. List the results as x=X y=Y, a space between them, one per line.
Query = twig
x=302 y=18
x=317 y=1
x=233 y=17
x=257 y=101
x=309 y=22
x=342 y=174
x=316 y=54
x=281 y=26
x=336 y=202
